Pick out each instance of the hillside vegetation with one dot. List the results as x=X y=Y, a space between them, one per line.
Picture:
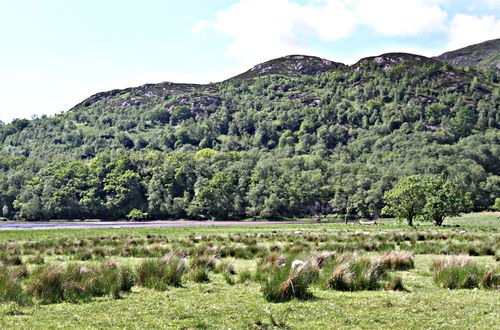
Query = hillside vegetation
x=485 y=55
x=294 y=136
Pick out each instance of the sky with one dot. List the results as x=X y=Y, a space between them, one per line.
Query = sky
x=56 y=53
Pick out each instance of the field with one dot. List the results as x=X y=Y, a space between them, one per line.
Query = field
x=242 y=277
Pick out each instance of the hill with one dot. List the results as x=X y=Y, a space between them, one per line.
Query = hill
x=294 y=136
x=485 y=55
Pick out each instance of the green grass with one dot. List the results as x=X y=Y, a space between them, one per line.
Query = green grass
x=219 y=305
x=233 y=297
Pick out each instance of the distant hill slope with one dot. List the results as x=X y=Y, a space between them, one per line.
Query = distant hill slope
x=292 y=65
x=485 y=55
x=294 y=136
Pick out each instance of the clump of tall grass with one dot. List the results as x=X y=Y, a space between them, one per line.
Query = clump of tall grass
x=271 y=261
x=395 y=283
x=8 y=259
x=47 y=284
x=245 y=276
x=356 y=273
x=37 y=259
x=285 y=283
x=76 y=282
x=461 y=273
x=491 y=279
x=160 y=273
x=10 y=288
x=397 y=260
x=200 y=266
x=225 y=267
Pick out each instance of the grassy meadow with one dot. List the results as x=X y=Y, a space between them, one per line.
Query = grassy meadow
x=259 y=277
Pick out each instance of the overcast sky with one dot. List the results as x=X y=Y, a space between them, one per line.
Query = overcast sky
x=55 y=53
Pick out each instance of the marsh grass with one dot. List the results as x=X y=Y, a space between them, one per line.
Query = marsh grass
x=395 y=283
x=199 y=274
x=8 y=259
x=356 y=273
x=284 y=283
x=75 y=282
x=401 y=260
x=160 y=273
x=10 y=288
x=245 y=276
x=36 y=259
x=460 y=272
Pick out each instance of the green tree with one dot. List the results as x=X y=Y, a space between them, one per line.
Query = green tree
x=136 y=214
x=407 y=199
x=215 y=197
x=496 y=206
x=444 y=199
x=464 y=121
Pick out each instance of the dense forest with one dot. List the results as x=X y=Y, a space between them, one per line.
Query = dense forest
x=295 y=136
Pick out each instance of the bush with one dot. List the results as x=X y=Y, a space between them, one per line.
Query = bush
x=136 y=215
x=283 y=284
x=356 y=274
x=160 y=273
x=10 y=288
x=397 y=260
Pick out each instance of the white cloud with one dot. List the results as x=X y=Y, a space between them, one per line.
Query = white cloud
x=402 y=18
x=263 y=29
x=492 y=4
x=466 y=30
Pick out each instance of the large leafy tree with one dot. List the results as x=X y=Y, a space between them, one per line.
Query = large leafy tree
x=444 y=199
x=407 y=199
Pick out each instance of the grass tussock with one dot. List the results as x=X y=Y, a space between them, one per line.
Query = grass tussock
x=10 y=288
x=393 y=260
x=356 y=273
x=461 y=273
x=285 y=283
x=395 y=283
x=160 y=273
x=75 y=282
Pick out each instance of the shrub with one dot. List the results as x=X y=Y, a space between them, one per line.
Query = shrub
x=285 y=283
x=397 y=260
x=356 y=274
x=10 y=288
x=136 y=215
x=160 y=273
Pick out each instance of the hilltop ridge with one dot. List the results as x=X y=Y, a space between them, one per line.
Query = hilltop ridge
x=484 y=55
